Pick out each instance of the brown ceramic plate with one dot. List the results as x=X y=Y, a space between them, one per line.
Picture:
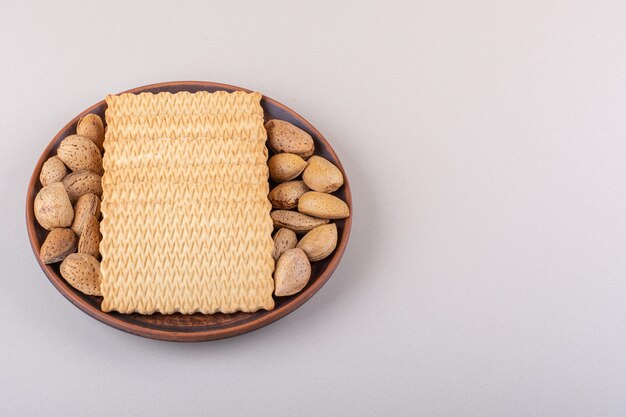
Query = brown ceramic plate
x=195 y=327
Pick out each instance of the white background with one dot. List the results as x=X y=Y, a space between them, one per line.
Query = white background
x=485 y=142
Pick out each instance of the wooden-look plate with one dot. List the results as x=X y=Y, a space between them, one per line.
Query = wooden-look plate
x=195 y=327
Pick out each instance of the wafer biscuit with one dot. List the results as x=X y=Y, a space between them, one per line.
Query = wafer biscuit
x=186 y=225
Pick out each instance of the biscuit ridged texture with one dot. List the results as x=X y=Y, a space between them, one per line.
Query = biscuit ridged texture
x=186 y=225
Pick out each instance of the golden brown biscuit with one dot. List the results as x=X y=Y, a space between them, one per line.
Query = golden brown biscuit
x=186 y=225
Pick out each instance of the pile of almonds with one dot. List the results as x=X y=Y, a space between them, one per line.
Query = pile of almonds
x=312 y=200
x=68 y=206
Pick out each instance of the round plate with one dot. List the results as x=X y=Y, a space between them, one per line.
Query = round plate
x=195 y=327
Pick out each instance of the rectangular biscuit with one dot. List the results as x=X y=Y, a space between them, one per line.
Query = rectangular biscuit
x=186 y=225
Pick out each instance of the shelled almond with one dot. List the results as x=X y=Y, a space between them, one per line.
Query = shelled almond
x=319 y=242
x=286 y=195
x=91 y=127
x=292 y=273
x=322 y=205
x=285 y=137
x=82 y=271
x=322 y=175
x=53 y=207
x=59 y=243
x=79 y=183
x=285 y=166
x=80 y=153
x=53 y=170
x=89 y=241
x=86 y=206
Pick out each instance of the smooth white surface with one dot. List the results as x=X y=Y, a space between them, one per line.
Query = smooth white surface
x=485 y=145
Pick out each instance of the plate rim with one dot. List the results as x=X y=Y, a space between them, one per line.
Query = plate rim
x=200 y=335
